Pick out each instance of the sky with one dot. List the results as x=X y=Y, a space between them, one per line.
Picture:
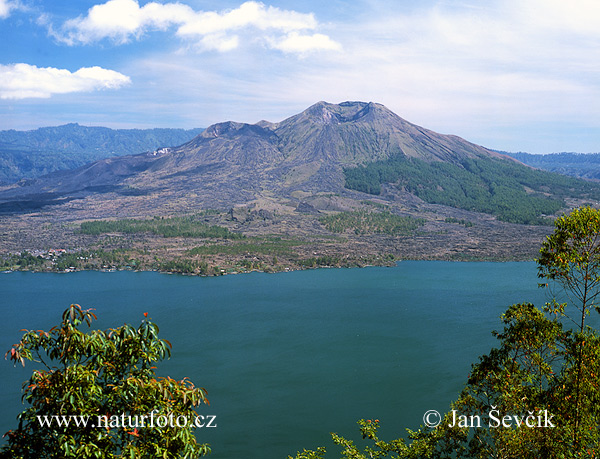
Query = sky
x=512 y=75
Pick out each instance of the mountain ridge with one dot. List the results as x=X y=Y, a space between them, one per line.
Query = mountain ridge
x=33 y=153
x=345 y=149
x=580 y=165
x=348 y=184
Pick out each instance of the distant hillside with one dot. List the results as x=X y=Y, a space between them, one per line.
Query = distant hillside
x=30 y=154
x=583 y=165
x=328 y=150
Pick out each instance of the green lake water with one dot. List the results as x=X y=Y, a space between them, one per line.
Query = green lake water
x=287 y=358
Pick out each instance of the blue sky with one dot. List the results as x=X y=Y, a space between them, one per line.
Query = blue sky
x=515 y=75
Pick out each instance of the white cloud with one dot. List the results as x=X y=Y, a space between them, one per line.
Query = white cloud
x=296 y=43
x=21 y=81
x=249 y=14
x=219 y=42
x=6 y=6
x=580 y=17
x=124 y=20
x=120 y=20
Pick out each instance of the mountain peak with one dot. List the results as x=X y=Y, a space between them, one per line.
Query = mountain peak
x=346 y=112
x=220 y=129
x=328 y=113
x=306 y=152
x=231 y=128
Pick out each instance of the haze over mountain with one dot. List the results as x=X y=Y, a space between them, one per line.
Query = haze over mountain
x=582 y=165
x=30 y=154
x=326 y=149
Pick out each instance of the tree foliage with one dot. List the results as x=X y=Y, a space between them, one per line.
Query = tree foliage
x=371 y=222
x=508 y=190
x=570 y=257
x=535 y=395
x=166 y=227
x=108 y=375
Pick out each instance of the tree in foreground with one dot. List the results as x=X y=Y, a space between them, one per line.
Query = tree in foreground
x=107 y=378
x=544 y=375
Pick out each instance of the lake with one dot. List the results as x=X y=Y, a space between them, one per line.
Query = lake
x=289 y=357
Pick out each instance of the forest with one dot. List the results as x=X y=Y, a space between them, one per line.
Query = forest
x=508 y=190
x=368 y=222
x=187 y=226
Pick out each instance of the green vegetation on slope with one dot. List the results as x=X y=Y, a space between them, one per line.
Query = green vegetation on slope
x=366 y=222
x=510 y=191
x=263 y=246
x=214 y=257
x=461 y=221
x=166 y=227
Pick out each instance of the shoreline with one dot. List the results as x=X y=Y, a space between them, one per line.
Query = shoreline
x=271 y=270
